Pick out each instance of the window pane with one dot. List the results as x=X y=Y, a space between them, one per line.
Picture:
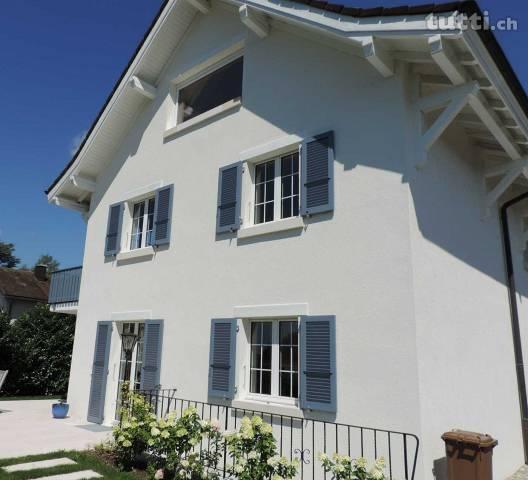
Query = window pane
x=285 y=333
x=286 y=208
x=286 y=186
x=270 y=170
x=259 y=193
x=295 y=358
x=285 y=358
x=260 y=173
x=266 y=357
x=285 y=383
x=136 y=235
x=256 y=357
x=256 y=332
x=259 y=214
x=296 y=184
x=295 y=207
x=212 y=90
x=270 y=190
x=267 y=329
x=295 y=333
x=266 y=383
x=150 y=221
x=295 y=386
x=269 y=212
x=290 y=185
x=255 y=381
x=286 y=166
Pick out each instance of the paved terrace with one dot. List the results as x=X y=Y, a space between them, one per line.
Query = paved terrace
x=27 y=428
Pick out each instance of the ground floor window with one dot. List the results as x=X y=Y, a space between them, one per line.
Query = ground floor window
x=274 y=358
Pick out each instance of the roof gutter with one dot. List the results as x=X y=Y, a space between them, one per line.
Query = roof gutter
x=514 y=317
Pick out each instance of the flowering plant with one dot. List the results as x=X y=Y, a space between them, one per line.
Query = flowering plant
x=174 y=442
x=132 y=434
x=342 y=467
x=254 y=452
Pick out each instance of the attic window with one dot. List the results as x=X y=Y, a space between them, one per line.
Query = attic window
x=210 y=91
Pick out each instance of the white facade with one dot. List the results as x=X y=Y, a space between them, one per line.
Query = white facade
x=406 y=262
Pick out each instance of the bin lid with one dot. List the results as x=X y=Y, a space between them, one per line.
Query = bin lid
x=470 y=438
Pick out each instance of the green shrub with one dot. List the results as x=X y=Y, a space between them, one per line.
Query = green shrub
x=254 y=452
x=36 y=349
x=342 y=467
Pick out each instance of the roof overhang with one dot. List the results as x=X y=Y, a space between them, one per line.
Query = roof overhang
x=495 y=116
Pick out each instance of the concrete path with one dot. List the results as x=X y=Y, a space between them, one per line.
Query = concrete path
x=522 y=474
x=54 y=462
x=27 y=428
x=83 y=475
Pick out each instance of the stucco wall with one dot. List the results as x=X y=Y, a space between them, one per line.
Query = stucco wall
x=412 y=274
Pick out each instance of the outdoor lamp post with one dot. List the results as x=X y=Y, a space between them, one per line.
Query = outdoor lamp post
x=128 y=341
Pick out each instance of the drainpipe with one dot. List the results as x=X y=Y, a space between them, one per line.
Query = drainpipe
x=514 y=314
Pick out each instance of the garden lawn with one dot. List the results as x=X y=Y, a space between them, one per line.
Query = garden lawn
x=87 y=460
x=31 y=397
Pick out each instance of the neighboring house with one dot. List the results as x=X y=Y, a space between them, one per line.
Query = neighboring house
x=295 y=208
x=21 y=290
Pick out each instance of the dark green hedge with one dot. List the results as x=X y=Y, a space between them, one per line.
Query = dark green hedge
x=36 y=349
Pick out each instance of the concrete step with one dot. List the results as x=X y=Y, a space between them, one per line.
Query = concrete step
x=83 y=475
x=54 y=462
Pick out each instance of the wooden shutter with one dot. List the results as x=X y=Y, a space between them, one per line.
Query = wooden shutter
x=222 y=356
x=152 y=345
x=317 y=174
x=99 y=372
x=228 y=207
x=113 y=229
x=162 y=215
x=318 y=360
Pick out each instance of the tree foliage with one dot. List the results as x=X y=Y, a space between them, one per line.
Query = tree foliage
x=50 y=262
x=36 y=349
x=7 y=255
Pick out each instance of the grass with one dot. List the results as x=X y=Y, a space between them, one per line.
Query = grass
x=31 y=397
x=87 y=460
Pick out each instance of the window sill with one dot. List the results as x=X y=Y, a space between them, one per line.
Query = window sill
x=271 y=227
x=267 y=407
x=204 y=117
x=137 y=253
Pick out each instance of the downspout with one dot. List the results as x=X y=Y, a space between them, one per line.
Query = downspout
x=514 y=314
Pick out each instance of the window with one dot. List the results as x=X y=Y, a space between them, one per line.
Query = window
x=211 y=91
x=277 y=179
x=142 y=224
x=274 y=358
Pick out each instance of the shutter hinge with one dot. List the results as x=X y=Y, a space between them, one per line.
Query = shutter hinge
x=236 y=389
x=238 y=328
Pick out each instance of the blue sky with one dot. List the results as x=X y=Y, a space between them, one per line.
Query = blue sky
x=60 y=59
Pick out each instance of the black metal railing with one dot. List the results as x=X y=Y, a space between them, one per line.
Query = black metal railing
x=304 y=438
x=65 y=285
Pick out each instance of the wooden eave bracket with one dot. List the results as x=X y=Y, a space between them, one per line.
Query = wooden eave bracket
x=454 y=100
x=83 y=183
x=142 y=87
x=378 y=57
x=203 y=6
x=70 y=204
x=255 y=21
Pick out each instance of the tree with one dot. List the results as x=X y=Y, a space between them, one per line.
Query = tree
x=7 y=257
x=36 y=349
x=49 y=261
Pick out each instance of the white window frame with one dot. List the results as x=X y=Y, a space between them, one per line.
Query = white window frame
x=208 y=66
x=130 y=232
x=274 y=397
x=277 y=187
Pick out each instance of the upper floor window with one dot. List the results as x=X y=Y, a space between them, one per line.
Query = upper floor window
x=211 y=90
x=277 y=188
x=142 y=224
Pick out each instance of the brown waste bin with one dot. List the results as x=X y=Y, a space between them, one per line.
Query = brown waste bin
x=469 y=455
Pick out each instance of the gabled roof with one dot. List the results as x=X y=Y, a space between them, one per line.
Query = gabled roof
x=348 y=23
x=23 y=284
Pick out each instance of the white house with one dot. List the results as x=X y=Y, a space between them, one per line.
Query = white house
x=295 y=207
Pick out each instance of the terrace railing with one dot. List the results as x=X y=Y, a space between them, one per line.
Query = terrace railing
x=64 y=286
x=304 y=438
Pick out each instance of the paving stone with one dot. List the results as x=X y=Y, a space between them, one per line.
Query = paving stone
x=54 y=462
x=82 y=475
x=521 y=474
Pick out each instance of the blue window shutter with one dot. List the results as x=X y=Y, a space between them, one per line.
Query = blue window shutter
x=228 y=207
x=99 y=372
x=113 y=229
x=222 y=355
x=318 y=363
x=152 y=346
x=162 y=215
x=317 y=174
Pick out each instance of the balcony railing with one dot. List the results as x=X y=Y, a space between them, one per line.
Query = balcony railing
x=64 y=286
x=304 y=438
